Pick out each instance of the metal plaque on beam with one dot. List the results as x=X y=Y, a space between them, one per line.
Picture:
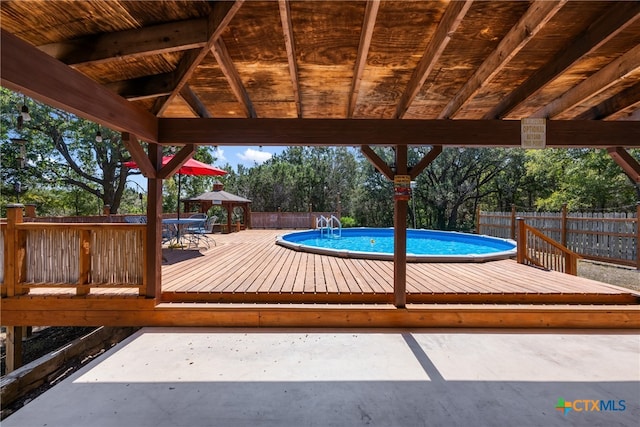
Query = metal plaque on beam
x=533 y=133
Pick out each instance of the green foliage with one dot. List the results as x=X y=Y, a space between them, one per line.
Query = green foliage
x=348 y=222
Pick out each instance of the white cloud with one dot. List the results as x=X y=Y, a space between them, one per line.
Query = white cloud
x=218 y=153
x=254 y=156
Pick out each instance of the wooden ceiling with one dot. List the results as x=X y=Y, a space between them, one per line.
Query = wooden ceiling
x=462 y=63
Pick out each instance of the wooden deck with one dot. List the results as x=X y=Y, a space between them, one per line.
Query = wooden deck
x=249 y=267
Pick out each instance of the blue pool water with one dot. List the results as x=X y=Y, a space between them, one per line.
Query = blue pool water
x=422 y=245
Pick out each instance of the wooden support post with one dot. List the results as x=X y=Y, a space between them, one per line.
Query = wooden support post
x=84 y=263
x=14 y=348
x=400 y=235
x=15 y=251
x=153 y=254
x=513 y=222
x=522 y=241
x=106 y=210
x=563 y=226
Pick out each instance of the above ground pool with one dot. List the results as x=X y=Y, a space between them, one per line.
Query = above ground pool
x=422 y=245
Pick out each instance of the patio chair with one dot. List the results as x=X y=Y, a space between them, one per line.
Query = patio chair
x=135 y=219
x=198 y=233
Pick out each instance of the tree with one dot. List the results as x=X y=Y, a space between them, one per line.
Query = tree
x=62 y=152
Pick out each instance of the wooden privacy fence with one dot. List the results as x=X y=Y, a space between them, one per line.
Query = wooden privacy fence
x=609 y=237
x=289 y=220
x=80 y=256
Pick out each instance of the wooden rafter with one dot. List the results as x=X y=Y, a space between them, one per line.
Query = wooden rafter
x=627 y=162
x=625 y=99
x=157 y=39
x=146 y=87
x=223 y=12
x=26 y=69
x=517 y=38
x=450 y=21
x=194 y=102
x=377 y=162
x=138 y=155
x=229 y=70
x=287 y=32
x=177 y=161
x=598 y=82
x=616 y=20
x=370 y=14
x=386 y=132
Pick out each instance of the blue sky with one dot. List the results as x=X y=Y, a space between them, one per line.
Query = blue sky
x=246 y=156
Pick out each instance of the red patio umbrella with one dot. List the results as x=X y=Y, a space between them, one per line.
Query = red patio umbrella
x=190 y=167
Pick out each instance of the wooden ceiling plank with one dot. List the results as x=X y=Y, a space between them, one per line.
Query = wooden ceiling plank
x=153 y=40
x=194 y=102
x=520 y=34
x=377 y=162
x=425 y=161
x=223 y=12
x=449 y=23
x=26 y=69
x=386 y=132
x=627 y=162
x=596 y=83
x=370 y=15
x=177 y=161
x=229 y=70
x=625 y=99
x=614 y=21
x=287 y=32
x=138 y=155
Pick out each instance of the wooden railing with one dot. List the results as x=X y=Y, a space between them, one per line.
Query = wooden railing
x=80 y=256
x=535 y=248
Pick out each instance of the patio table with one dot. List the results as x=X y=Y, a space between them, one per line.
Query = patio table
x=180 y=225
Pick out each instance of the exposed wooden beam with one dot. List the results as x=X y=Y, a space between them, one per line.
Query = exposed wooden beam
x=627 y=162
x=370 y=15
x=223 y=12
x=377 y=162
x=138 y=155
x=194 y=102
x=425 y=161
x=225 y=62
x=596 y=83
x=614 y=21
x=535 y=18
x=448 y=25
x=287 y=32
x=144 y=87
x=387 y=132
x=153 y=40
x=26 y=69
x=625 y=99
x=177 y=161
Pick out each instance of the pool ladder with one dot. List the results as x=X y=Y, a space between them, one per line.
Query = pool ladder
x=329 y=227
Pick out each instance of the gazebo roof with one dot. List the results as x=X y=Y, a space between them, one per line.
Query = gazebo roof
x=221 y=197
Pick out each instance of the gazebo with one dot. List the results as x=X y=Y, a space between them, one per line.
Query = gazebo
x=227 y=200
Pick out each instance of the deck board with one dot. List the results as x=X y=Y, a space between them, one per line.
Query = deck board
x=249 y=267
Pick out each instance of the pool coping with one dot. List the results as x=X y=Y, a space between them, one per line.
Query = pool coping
x=344 y=253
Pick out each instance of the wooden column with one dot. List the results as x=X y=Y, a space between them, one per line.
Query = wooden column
x=513 y=222
x=638 y=235
x=13 y=274
x=563 y=226
x=153 y=255
x=84 y=263
x=400 y=235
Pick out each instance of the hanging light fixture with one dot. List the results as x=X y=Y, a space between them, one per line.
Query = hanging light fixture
x=98 y=135
x=24 y=111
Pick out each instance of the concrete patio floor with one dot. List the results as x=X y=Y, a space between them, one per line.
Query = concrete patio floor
x=293 y=377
